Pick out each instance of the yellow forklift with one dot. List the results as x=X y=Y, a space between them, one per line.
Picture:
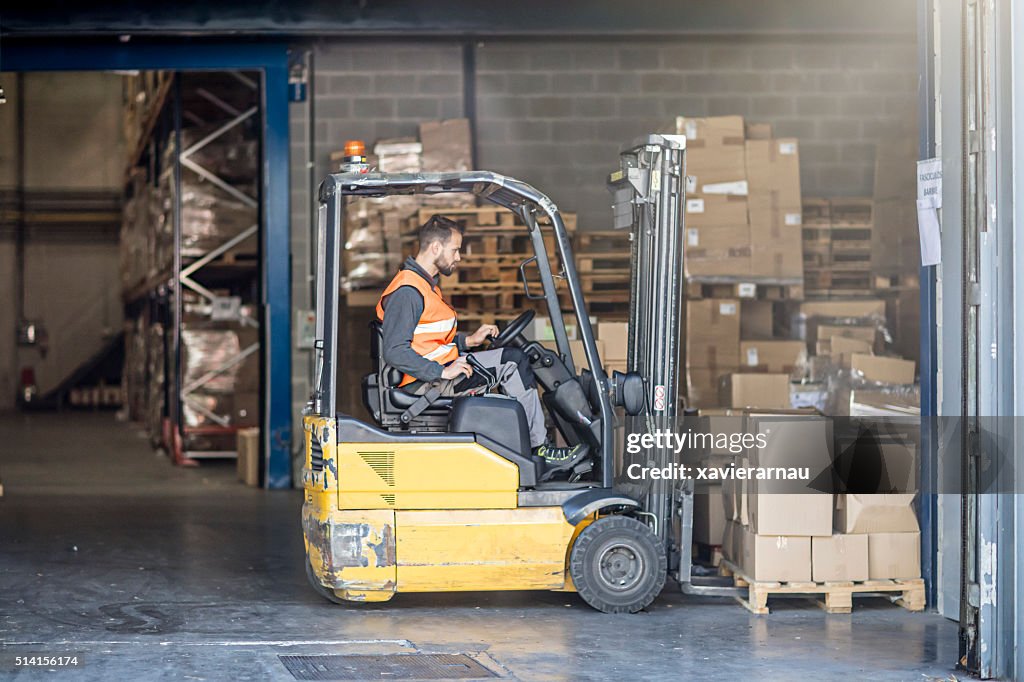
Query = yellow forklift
x=443 y=494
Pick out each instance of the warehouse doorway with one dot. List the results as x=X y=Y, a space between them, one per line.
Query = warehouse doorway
x=262 y=293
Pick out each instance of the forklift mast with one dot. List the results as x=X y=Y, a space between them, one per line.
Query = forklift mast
x=648 y=199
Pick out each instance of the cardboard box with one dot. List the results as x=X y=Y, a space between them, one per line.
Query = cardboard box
x=715 y=210
x=732 y=542
x=447 y=145
x=713 y=334
x=776 y=242
x=773 y=175
x=883 y=370
x=864 y=514
x=721 y=250
x=840 y=348
x=711 y=131
x=861 y=308
x=839 y=558
x=894 y=556
x=863 y=333
x=730 y=500
x=248 y=463
x=776 y=557
x=702 y=387
x=614 y=336
x=781 y=357
x=789 y=513
x=809 y=395
x=709 y=516
x=757 y=319
x=755 y=390
x=714 y=155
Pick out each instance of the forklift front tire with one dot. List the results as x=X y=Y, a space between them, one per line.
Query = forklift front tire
x=618 y=565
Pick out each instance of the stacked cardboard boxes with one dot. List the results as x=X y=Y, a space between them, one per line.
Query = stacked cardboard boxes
x=743 y=208
x=773 y=534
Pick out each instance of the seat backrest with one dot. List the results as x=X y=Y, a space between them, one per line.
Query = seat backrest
x=389 y=377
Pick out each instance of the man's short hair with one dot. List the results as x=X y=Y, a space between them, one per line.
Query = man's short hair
x=437 y=229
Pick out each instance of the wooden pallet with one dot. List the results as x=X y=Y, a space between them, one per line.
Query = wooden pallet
x=756 y=290
x=816 y=212
x=834 y=278
x=851 y=212
x=838 y=596
x=883 y=282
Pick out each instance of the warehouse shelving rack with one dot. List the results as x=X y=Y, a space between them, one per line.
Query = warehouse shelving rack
x=222 y=102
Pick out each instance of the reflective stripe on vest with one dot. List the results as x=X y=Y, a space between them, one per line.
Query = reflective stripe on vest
x=434 y=336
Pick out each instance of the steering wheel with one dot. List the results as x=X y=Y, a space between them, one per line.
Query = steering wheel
x=513 y=329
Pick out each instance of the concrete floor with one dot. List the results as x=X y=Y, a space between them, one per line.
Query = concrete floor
x=143 y=569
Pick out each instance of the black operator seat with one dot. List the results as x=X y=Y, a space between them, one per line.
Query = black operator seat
x=397 y=400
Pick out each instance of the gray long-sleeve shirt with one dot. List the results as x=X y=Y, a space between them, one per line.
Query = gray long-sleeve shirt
x=402 y=311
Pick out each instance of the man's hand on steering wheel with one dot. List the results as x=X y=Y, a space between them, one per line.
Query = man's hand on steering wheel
x=478 y=337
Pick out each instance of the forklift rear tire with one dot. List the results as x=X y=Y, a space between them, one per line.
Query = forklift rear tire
x=618 y=565
x=324 y=592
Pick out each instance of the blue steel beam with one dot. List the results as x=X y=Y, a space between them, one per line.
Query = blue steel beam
x=272 y=60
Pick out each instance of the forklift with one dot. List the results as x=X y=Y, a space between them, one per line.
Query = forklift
x=443 y=494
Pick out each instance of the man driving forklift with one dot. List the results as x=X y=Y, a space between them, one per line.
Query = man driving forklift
x=420 y=339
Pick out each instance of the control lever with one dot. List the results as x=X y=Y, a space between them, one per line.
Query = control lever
x=487 y=374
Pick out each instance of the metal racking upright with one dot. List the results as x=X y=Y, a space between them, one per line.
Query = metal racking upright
x=199 y=150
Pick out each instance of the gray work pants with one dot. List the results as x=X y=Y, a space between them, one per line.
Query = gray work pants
x=515 y=379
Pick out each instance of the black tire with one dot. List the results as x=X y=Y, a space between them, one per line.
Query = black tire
x=324 y=592
x=618 y=565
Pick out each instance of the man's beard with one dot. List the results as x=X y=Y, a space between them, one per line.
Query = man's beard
x=446 y=269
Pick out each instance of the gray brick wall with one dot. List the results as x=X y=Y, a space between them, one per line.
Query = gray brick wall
x=370 y=91
x=556 y=114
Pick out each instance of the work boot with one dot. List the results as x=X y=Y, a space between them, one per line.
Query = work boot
x=558 y=455
x=558 y=460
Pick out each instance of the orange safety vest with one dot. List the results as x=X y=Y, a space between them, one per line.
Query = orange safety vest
x=434 y=337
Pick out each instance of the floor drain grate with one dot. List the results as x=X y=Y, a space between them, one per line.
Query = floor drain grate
x=386 y=667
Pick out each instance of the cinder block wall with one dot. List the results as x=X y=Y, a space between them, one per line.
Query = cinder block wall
x=557 y=114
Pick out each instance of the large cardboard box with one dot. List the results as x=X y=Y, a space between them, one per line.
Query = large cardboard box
x=614 y=337
x=702 y=387
x=715 y=210
x=776 y=245
x=882 y=513
x=860 y=308
x=776 y=557
x=839 y=558
x=755 y=390
x=757 y=319
x=248 y=463
x=883 y=370
x=866 y=333
x=732 y=542
x=841 y=348
x=894 y=556
x=720 y=250
x=789 y=514
x=713 y=334
x=773 y=175
x=708 y=516
x=714 y=151
x=447 y=145
x=773 y=356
